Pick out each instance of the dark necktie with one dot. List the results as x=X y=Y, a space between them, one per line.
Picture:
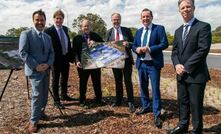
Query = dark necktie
x=117 y=35
x=145 y=37
x=42 y=42
x=64 y=51
x=144 y=41
x=185 y=33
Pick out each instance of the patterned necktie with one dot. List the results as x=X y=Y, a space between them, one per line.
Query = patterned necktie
x=185 y=33
x=42 y=42
x=64 y=51
x=117 y=35
x=145 y=37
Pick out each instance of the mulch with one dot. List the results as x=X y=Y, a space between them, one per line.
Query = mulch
x=15 y=108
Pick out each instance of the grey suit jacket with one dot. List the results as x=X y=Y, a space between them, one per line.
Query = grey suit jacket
x=31 y=52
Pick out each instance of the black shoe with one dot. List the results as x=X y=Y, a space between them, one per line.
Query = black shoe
x=131 y=107
x=157 y=122
x=67 y=98
x=178 y=130
x=116 y=104
x=44 y=117
x=58 y=104
x=142 y=111
x=99 y=103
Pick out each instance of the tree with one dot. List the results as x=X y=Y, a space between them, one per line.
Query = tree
x=170 y=38
x=15 y=32
x=133 y=30
x=98 y=25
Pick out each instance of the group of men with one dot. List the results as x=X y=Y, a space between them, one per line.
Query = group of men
x=45 y=49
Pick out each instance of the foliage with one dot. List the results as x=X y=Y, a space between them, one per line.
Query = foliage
x=170 y=38
x=15 y=32
x=133 y=30
x=98 y=25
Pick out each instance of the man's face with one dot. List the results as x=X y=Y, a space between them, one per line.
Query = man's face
x=116 y=20
x=58 y=20
x=85 y=26
x=146 y=18
x=39 y=22
x=186 y=9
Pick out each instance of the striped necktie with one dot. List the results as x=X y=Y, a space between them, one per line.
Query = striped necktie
x=145 y=37
x=185 y=33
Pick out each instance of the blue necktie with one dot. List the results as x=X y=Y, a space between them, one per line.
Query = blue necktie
x=64 y=51
x=185 y=33
x=42 y=41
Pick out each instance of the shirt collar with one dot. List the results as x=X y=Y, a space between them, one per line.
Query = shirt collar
x=190 y=22
x=38 y=31
x=149 y=26
x=57 y=28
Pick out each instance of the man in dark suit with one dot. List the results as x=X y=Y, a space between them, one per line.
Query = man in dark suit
x=63 y=55
x=191 y=45
x=35 y=49
x=149 y=42
x=116 y=33
x=89 y=38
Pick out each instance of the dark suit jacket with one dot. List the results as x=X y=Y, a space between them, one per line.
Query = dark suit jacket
x=127 y=35
x=157 y=43
x=57 y=45
x=193 y=54
x=79 y=40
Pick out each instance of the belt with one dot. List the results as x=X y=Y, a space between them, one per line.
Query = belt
x=148 y=62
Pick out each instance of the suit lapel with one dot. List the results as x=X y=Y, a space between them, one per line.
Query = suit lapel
x=189 y=35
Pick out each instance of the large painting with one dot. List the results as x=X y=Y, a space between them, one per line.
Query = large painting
x=9 y=58
x=107 y=54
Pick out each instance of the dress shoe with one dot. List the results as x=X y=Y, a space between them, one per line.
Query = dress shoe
x=116 y=104
x=131 y=107
x=44 y=117
x=58 y=104
x=157 y=122
x=178 y=130
x=142 y=111
x=99 y=103
x=32 y=128
x=67 y=98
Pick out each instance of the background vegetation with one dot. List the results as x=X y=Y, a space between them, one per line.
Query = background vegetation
x=99 y=26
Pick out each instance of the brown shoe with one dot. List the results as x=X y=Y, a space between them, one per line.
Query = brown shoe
x=32 y=128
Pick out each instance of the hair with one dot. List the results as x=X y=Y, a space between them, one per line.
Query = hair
x=39 y=12
x=58 y=12
x=180 y=1
x=85 y=19
x=116 y=14
x=146 y=9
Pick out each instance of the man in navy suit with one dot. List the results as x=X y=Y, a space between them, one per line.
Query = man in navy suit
x=148 y=44
x=116 y=33
x=63 y=55
x=191 y=46
x=35 y=49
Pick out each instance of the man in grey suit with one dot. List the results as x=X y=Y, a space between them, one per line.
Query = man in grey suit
x=35 y=49
x=191 y=46
x=116 y=33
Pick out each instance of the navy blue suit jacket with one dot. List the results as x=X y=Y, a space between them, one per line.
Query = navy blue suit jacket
x=157 y=43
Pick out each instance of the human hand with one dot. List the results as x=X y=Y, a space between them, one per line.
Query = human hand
x=90 y=43
x=180 y=69
x=79 y=65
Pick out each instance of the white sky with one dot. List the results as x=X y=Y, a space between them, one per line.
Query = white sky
x=18 y=13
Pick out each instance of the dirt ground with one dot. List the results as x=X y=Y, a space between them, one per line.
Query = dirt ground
x=15 y=107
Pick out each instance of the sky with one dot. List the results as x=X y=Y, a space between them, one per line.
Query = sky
x=18 y=13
